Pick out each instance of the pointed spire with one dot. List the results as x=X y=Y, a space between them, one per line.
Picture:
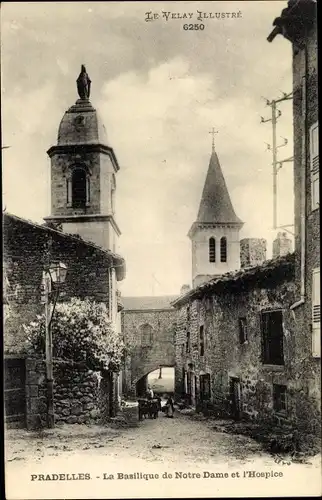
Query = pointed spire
x=215 y=205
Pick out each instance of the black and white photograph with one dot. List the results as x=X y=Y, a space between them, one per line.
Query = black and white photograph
x=161 y=249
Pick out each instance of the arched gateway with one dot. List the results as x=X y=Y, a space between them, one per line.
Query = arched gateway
x=149 y=334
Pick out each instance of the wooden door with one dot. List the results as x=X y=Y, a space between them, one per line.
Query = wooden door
x=235 y=399
x=15 y=392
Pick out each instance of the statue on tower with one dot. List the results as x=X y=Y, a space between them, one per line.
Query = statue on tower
x=83 y=84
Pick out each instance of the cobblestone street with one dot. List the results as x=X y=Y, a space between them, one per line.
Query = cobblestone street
x=172 y=440
x=177 y=444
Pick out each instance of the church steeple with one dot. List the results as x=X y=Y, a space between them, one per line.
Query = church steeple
x=215 y=233
x=215 y=205
x=83 y=173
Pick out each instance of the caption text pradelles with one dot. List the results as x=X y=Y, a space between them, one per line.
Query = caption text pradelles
x=246 y=474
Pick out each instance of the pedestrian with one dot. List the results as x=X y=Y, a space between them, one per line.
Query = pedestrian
x=169 y=407
x=159 y=402
x=149 y=393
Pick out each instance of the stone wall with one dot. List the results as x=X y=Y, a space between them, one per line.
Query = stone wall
x=76 y=395
x=80 y=395
x=36 y=393
x=252 y=251
x=142 y=359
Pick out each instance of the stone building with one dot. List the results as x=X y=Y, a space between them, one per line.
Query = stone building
x=234 y=343
x=298 y=24
x=148 y=328
x=82 y=233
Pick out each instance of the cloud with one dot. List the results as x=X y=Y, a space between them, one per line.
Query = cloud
x=159 y=90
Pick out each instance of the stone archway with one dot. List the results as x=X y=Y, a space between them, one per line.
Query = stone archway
x=140 y=384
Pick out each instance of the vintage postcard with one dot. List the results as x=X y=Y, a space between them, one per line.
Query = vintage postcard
x=161 y=269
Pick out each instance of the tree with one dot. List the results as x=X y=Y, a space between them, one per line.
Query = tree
x=81 y=331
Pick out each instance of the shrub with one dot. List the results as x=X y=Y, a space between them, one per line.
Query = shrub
x=81 y=331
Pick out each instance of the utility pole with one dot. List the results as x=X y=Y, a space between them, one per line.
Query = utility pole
x=275 y=114
x=154 y=281
x=48 y=337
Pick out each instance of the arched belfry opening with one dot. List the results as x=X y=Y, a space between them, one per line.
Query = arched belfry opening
x=223 y=249
x=79 y=188
x=212 y=249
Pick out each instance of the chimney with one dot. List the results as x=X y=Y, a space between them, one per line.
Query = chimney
x=282 y=245
x=252 y=252
x=184 y=289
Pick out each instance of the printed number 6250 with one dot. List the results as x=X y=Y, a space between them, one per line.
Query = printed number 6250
x=194 y=27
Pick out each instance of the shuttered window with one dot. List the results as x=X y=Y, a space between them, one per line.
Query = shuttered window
x=79 y=188
x=202 y=340
x=223 y=249
x=272 y=337
x=316 y=314
x=314 y=165
x=212 y=250
x=242 y=330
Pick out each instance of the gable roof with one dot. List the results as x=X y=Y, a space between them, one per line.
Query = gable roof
x=271 y=271
x=116 y=260
x=148 y=303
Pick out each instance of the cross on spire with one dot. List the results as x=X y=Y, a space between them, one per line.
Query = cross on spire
x=213 y=132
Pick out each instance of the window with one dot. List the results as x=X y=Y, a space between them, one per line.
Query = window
x=279 y=397
x=183 y=386
x=316 y=314
x=272 y=337
x=223 y=249
x=146 y=335
x=79 y=190
x=314 y=165
x=188 y=342
x=212 y=250
x=242 y=330
x=202 y=340
x=188 y=314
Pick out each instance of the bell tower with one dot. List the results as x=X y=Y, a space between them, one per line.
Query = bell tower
x=215 y=234
x=83 y=173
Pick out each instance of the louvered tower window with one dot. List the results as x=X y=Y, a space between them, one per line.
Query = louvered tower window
x=223 y=249
x=212 y=250
x=79 y=189
x=314 y=165
x=316 y=314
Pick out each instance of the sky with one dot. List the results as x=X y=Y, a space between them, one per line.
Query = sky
x=159 y=90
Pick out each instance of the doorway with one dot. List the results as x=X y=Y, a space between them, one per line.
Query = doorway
x=235 y=398
x=205 y=387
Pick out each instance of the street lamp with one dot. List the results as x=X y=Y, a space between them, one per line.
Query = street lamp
x=54 y=277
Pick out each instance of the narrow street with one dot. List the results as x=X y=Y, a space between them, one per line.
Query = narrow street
x=150 y=446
